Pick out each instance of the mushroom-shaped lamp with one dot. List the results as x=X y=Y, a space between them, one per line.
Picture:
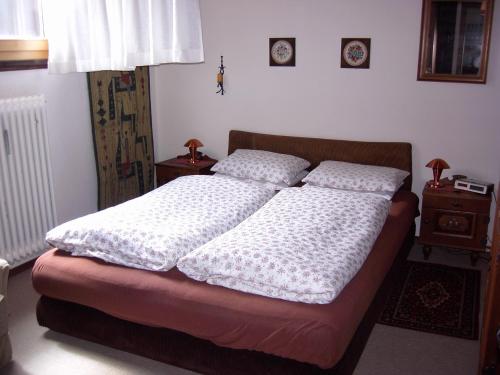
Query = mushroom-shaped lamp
x=193 y=144
x=437 y=166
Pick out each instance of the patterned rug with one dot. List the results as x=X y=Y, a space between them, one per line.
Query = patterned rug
x=435 y=298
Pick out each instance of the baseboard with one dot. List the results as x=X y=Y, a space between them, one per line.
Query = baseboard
x=22 y=267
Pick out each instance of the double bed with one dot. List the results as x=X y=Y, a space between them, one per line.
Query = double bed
x=215 y=330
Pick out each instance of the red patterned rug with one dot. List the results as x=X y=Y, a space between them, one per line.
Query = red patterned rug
x=435 y=298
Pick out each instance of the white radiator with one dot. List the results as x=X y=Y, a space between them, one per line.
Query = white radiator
x=27 y=209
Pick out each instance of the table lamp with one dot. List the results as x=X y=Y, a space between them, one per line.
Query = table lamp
x=193 y=144
x=437 y=166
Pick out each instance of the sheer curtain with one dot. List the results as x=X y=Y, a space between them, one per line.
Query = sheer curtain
x=20 y=19
x=91 y=35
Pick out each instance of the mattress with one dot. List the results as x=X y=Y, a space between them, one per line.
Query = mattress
x=316 y=334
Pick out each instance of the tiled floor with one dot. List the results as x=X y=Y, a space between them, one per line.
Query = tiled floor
x=390 y=350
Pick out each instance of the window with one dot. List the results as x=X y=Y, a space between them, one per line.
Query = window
x=91 y=35
x=21 y=35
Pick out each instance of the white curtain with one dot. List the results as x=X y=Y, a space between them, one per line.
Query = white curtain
x=20 y=19
x=91 y=35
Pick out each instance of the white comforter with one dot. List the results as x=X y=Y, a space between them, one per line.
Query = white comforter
x=153 y=231
x=304 y=245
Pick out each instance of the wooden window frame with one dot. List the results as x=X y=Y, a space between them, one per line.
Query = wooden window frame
x=17 y=54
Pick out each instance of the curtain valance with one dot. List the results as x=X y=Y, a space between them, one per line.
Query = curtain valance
x=91 y=35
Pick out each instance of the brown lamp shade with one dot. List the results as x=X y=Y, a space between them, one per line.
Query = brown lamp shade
x=437 y=163
x=437 y=166
x=193 y=144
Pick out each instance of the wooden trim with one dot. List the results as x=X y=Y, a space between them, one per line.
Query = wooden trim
x=22 y=50
x=23 y=54
x=22 y=65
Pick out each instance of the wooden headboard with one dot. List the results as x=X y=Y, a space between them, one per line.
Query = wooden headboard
x=315 y=150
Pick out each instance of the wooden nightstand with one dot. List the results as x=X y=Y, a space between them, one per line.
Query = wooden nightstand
x=454 y=218
x=168 y=170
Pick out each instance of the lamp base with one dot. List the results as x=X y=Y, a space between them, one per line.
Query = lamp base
x=441 y=184
x=434 y=185
x=192 y=151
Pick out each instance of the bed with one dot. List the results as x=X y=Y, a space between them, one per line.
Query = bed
x=210 y=329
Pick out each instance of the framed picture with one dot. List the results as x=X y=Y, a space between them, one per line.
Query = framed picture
x=355 y=53
x=282 y=51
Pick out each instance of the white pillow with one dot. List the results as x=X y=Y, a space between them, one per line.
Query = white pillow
x=358 y=177
x=262 y=166
x=271 y=185
x=384 y=194
x=294 y=181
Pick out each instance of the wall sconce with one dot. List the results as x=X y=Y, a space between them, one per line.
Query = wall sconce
x=437 y=166
x=193 y=144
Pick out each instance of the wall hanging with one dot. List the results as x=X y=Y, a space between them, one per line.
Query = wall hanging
x=123 y=138
x=220 y=77
x=282 y=51
x=355 y=53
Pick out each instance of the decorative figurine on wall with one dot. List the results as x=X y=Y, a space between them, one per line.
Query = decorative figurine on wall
x=220 y=77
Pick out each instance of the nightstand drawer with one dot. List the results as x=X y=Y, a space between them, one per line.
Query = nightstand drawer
x=454 y=228
x=457 y=203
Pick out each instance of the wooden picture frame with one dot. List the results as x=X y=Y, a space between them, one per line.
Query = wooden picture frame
x=355 y=53
x=282 y=51
x=455 y=51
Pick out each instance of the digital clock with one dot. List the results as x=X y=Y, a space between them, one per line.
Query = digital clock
x=473 y=185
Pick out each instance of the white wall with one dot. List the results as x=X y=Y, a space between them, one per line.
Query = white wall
x=458 y=122
x=70 y=135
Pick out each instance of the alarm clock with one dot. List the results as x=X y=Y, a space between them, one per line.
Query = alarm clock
x=474 y=186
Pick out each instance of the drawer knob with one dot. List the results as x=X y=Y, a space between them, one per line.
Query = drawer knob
x=456 y=204
x=426 y=221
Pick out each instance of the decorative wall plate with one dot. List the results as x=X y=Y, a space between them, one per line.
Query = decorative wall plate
x=355 y=53
x=282 y=51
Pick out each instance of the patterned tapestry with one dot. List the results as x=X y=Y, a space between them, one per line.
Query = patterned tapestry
x=123 y=138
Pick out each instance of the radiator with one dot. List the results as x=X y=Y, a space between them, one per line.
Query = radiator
x=27 y=209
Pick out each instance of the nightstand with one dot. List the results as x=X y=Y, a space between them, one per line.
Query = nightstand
x=168 y=170
x=454 y=218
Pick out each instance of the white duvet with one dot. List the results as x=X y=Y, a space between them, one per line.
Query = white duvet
x=304 y=245
x=153 y=231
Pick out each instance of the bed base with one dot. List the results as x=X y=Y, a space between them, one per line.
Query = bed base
x=182 y=350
